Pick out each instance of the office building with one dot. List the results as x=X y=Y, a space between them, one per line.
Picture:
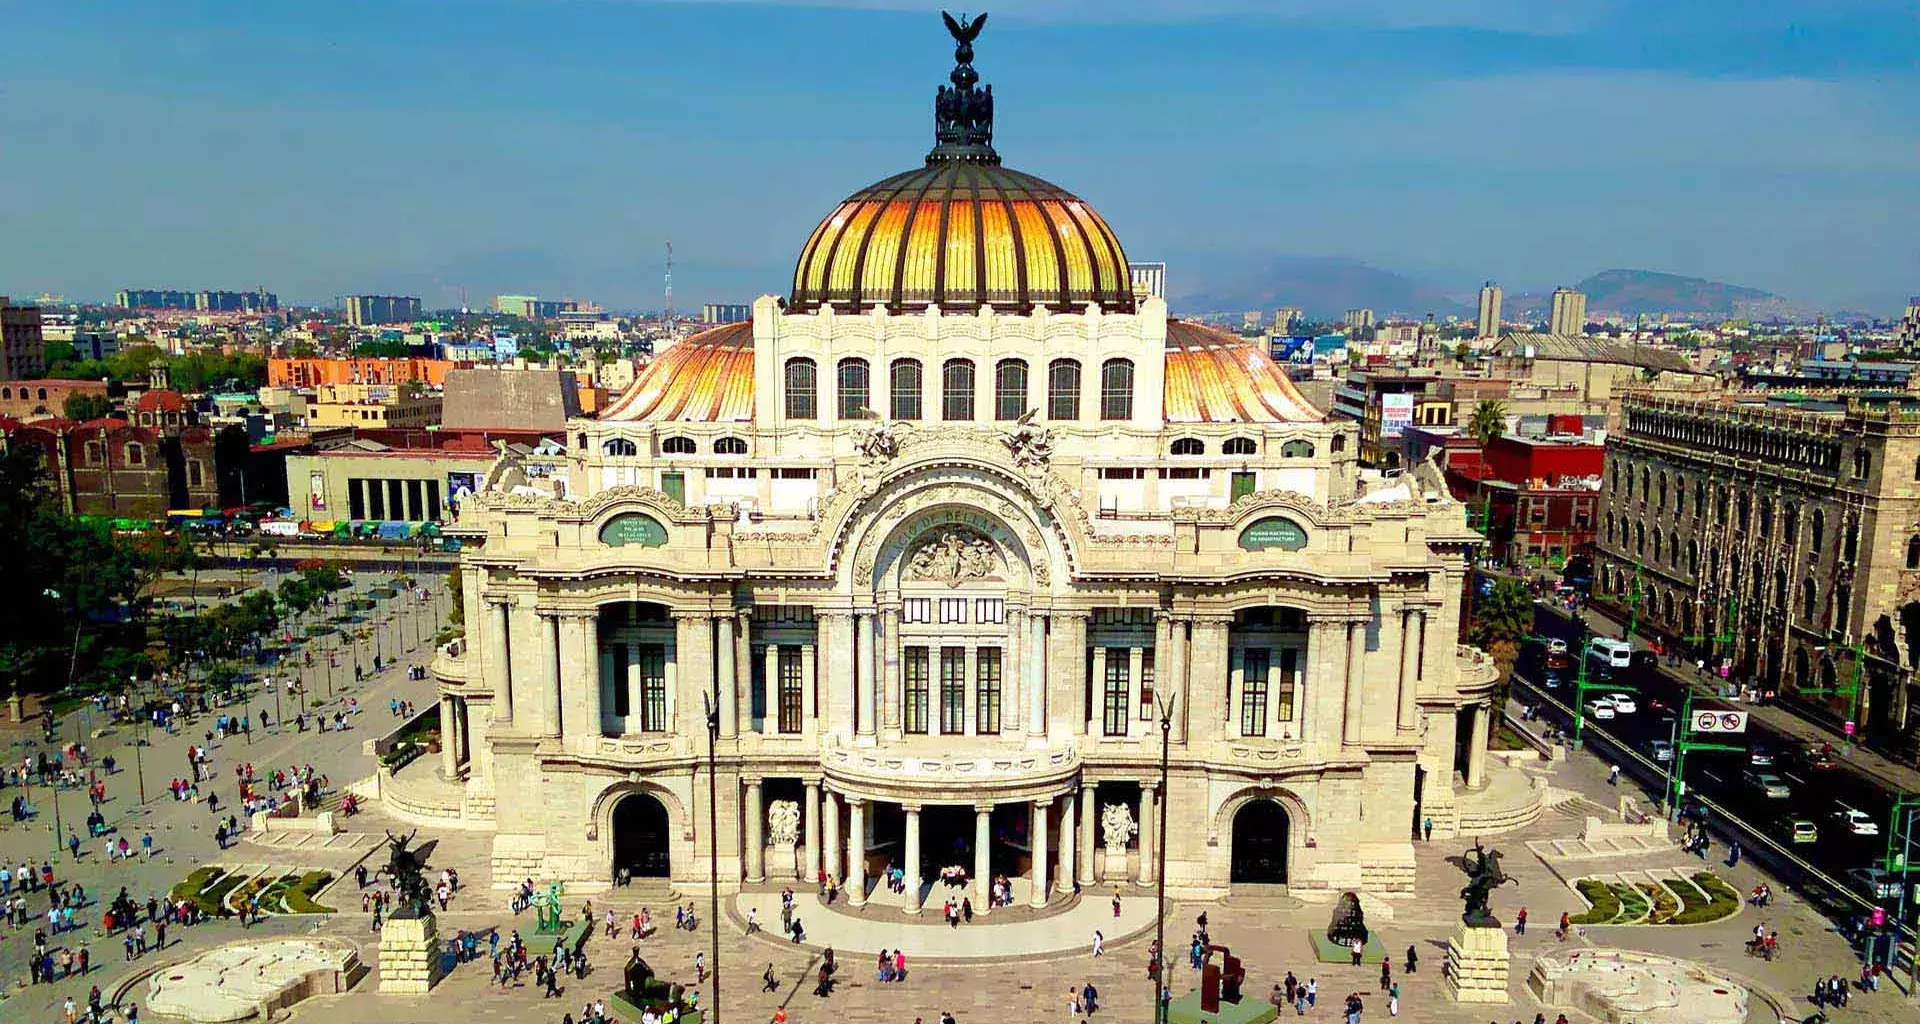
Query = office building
x=725 y=312
x=313 y=371
x=939 y=538
x=1488 y=319
x=533 y=307
x=366 y=310
x=405 y=406
x=23 y=349
x=1778 y=532
x=1569 y=314
x=1358 y=319
x=1285 y=317
x=207 y=301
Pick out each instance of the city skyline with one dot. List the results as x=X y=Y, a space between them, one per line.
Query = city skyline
x=524 y=148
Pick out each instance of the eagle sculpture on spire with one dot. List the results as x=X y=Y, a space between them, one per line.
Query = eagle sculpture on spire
x=964 y=32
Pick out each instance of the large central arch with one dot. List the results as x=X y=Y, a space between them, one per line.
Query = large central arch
x=1261 y=834
x=641 y=837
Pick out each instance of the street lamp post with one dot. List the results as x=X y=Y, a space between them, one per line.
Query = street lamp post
x=139 y=722
x=1160 y=865
x=713 y=844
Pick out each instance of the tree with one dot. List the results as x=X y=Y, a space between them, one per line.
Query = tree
x=1501 y=620
x=81 y=406
x=1488 y=422
x=456 y=598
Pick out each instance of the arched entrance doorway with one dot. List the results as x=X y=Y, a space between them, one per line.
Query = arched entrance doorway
x=1260 y=843
x=640 y=837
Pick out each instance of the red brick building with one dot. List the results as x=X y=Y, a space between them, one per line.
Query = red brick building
x=120 y=469
x=39 y=399
x=1540 y=496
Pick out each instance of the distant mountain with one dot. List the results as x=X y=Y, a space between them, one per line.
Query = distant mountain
x=1324 y=286
x=1636 y=292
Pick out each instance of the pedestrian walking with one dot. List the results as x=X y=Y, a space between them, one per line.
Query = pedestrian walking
x=1613 y=775
x=1413 y=959
x=1099 y=944
x=1520 y=922
x=1426 y=829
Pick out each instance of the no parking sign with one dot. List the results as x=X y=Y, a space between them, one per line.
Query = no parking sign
x=1720 y=721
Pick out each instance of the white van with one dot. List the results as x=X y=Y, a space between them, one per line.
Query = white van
x=280 y=528
x=1611 y=653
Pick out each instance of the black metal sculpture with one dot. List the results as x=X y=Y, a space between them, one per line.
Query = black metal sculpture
x=963 y=112
x=406 y=868
x=1483 y=876
x=1349 y=921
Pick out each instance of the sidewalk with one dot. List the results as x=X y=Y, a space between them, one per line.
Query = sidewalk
x=1888 y=773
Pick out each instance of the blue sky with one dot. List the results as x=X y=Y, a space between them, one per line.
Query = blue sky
x=322 y=147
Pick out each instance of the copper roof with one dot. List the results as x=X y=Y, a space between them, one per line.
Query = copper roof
x=1211 y=377
x=707 y=377
x=963 y=235
x=1215 y=377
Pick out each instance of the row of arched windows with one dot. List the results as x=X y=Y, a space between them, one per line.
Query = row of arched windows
x=25 y=394
x=620 y=446
x=905 y=379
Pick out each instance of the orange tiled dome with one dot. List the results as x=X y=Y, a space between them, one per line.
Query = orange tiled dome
x=963 y=235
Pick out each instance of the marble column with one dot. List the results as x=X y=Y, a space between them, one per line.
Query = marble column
x=856 y=851
x=1150 y=811
x=912 y=866
x=770 y=691
x=1013 y=671
x=982 y=863
x=835 y=866
x=1413 y=632
x=579 y=681
x=1036 y=681
x=1037 y=833
x=1477 y=747
x=1085 y=824
x=543 y=682
x=696 y=668
x=1136 y=688
x=1067 y=671
x=499 y=660
x=1353 y=713
x=813 y=832
x=726 y=677
x=743 y=660
x=449 y=749
x=889 y=700
x=867 y=664
x=809 y=690
x=756 y=814
x=1163 y=675
x=1177 y=682
x=1068 y=826
x=841 y=671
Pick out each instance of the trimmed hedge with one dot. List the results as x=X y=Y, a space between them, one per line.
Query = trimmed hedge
x=1605 y=905
x=189 y=888
x=1722 y=901
x=299 y=896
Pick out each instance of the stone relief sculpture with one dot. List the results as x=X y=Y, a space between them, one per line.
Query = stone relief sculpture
x=953 y=557
x=783 y=823
x=877 y=444
x=1030 y=444
x=1117 y=827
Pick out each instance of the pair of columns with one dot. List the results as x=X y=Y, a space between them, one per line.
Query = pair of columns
x=453 y=735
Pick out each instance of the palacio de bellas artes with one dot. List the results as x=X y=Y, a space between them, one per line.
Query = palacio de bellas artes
x=933 y=545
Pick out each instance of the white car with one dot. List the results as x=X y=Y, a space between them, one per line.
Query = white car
x=1600 y=707
x=1623 y=703
x=1556 y=646
x=1857 y=822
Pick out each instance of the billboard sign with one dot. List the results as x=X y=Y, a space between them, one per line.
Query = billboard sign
x=1396 y=414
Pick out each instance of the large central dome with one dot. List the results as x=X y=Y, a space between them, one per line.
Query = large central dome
x=962 y=232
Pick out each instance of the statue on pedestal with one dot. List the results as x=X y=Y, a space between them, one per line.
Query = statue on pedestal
x=1117 y=827
x=1349 y=922
x=783 y=823
x=1483 y=876
x=546 y=909
x=406 y=868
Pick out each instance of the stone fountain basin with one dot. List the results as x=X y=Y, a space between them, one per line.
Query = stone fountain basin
x=243 y=980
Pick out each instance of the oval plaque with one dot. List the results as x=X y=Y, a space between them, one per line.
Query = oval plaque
x=633 y=528
x=1273 y=532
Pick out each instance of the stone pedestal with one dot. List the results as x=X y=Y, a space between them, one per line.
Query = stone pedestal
x=1477 y=964
x=1115 y=865
x=409 y=955
x=783 y=863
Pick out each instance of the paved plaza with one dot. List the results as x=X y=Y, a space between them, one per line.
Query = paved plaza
x=1015 y=966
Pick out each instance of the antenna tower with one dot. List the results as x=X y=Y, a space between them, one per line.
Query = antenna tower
x=669 y=284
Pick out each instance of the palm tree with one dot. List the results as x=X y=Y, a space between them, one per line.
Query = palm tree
x=1488 y=422
x=1500 y=621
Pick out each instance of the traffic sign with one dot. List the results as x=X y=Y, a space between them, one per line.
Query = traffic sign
x=1719 y=721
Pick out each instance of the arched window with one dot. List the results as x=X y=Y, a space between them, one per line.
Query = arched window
x=1850 y=541
x=1913 y=553
x=1809 y=600
x=1660 y=500
x=1817 y=531
x=1063 y=390
x=853 y=389
x=1646 y=484
x=803 y=390
x=1009 y=389
x=1116 y=390
x=619 y=446
x=956 y=390
x=1639 y=538
x=1606 y=532
x=1245 y=446
x=677 y=446
x=1916 y=468
x=903 y=389
x=1780 y=588
x=730 y=446
x=1673 y=549
x=1693 y=558
x=1339 y=443
x=1862 y=462
x=7 y=393
x=1189 y=446
x=43 y=394
x=1766 y=518
x=1842 y=610
x=1657 y=542
x=1790 y=524
x=136 y=455
x=1295 y=449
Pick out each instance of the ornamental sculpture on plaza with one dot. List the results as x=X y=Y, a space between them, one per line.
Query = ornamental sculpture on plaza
x=1483 y=876
x=405 y=867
